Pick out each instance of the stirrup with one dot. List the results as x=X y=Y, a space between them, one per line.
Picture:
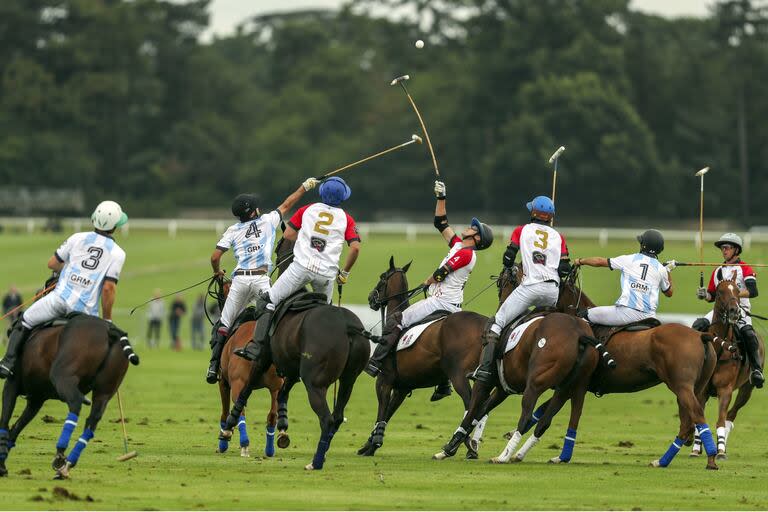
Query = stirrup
x=5 y=372
x=372 y=370
x=251 y=351
x=212 y=375
x=441 y=392
x=756 y=378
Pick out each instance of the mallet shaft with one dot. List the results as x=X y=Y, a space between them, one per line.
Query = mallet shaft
x=423 y=129
x=380 y=153
x=691 y=264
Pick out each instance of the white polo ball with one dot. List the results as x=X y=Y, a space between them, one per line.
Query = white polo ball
x=419 y=44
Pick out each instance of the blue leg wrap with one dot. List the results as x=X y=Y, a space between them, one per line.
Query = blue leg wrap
x=66 y=433
x=322 y=449
x=241 y=426
x=74 y=455
x=568 y=444
x=537 y=414
x=5 y=444
x=223 y=445
x=706 y=439
x=269 y=448
x=666 y=459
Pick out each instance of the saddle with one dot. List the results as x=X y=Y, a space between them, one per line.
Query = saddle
x=605 y=332
x=525 y=317
x=435 y=315
x=248 y=315
x=299 y=301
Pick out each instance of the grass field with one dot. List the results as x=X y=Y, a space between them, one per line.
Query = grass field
x=173 y=418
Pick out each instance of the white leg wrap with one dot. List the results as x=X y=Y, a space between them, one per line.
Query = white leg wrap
x=506 y=454
x=728 y=427
x=479 y=429
x=529 y=443
x=721 y=438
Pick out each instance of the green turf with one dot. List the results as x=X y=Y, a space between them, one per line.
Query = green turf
x=173 y=419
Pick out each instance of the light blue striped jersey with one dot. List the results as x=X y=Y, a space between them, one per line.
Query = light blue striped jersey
x=641 y=279
x=89 y=258
x=252 y=242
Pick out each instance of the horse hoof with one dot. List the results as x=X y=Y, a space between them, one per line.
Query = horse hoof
x=655 y=464
x=245 y=451
x=63 y=472
x=557 y=460
x=509 y=435
x=283 y=440
x=441 y=455
x=695 y=453
x=721 y=456
x=516 y=459
x=309 y=467
x=712 y=466
x=471 y=455
x=497 y=460
x=225 y=435
x=59 y=461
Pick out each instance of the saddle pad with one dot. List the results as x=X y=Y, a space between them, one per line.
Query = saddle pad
x=517 y=333
x=411 y=335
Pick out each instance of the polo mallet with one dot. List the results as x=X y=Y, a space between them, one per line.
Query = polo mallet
x=401 y=80
x=691 y=264
x=701 y=174
x=414 y=138
x=553 y=159
x=127 y=455
x=33 y=299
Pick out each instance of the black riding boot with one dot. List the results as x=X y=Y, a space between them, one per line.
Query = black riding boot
x=752 y=350
x=217 y=346
x=700 y=324
x=15 y=342
x=255 y=349
x=486 y=371
x=442 y=390
x=390 y=335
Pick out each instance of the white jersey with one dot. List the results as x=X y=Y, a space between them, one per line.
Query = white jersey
x=739 y=273
x=89 y=259
x=252 y=242
x=322 y=231
x=541 y=248
x=641 y=279
x=460 y=260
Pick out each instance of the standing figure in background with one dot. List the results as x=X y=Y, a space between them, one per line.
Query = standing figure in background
x=11 y=300
x=198 y=315
x=155 y=314
x=178 y=310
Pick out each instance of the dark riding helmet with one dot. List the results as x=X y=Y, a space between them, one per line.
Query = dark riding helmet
x=485 y=233
x=651 y=242
x=244 y=205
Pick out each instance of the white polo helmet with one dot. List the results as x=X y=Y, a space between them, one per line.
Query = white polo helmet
x=730 y=238
x=108 y=215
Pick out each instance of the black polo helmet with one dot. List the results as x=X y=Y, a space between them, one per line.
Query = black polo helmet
x=485 y=233
x=651 y=242
x=244 y=205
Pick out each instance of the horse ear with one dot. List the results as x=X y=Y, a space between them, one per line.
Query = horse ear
x=407 y=266
x=391 y=262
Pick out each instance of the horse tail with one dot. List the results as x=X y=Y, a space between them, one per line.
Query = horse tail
x=128 y=351
x=605 y=356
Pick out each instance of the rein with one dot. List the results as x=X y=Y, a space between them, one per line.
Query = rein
x=215 y=292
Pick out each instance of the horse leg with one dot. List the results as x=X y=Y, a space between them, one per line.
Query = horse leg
x=224 y=391
x=743 y=396
x=10 y=395
x=463 y=389
x=383 y=396
x=283 y=439
x=241 y=389
x=554 y=405
x=67 y=388
x=577 y=405
x=98 y=407
x=530 y=396
x=480 y=394
x=319 y=404
x=697 y=447
x=723 y=401
x=269 y=447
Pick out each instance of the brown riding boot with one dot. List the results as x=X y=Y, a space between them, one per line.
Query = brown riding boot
x=486 y=371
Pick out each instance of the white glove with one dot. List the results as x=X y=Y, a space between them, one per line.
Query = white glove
x=439 y=189
x=342 y=277
x=671 y=265
x=701 y=293
x=310 y=183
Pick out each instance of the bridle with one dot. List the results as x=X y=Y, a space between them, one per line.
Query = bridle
x=377 y=301
x=724 y=317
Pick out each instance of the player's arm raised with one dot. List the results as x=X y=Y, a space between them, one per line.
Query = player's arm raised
x=291 y=200
x=441 y=216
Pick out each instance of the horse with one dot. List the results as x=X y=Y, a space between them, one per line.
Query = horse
x=732 y=371
x=551 y=354
x=441 y=352
x=317 y=346
x=674 y=354
x=64 y=363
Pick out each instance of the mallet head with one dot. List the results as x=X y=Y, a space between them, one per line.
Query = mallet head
x=416 y=138
x=128 y=456
x=703 y=171
x=400 y=79
x=556 y=154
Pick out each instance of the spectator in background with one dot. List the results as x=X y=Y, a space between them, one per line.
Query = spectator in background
x=178 y=310
x=198 y=315
x=155 y=314
x=11 y=300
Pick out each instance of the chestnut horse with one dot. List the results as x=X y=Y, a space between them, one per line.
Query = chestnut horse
x=449 y=349
x=732 y=370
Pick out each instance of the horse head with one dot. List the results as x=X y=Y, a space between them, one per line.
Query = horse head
x=392 y=285
x=727 y=303
x=508 y=280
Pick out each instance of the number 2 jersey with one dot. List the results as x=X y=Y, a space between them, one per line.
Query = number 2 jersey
x=89 y=259
x=252 y=242
x=323 y=229
x=541 y=248
x=641 y=279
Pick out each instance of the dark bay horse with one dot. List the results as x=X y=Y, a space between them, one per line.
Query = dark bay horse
x=674 y=354
x=317 y=346
x=732 y=369
x=551 y=354
x=448 y=348
x=65 y=363
x=235 y=376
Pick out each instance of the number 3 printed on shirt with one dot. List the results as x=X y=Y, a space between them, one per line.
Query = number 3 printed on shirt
x=542 y=242
x=326 y=219
x=93 y=262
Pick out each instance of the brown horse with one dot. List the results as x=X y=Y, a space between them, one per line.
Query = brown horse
x=732 y=370
x=235 y=376
x=674 y=354
x=551 y=354
x=64 y=363
x=449 y=349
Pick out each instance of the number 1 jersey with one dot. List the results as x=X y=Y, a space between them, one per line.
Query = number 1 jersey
x=322 y=232
x=541 y=248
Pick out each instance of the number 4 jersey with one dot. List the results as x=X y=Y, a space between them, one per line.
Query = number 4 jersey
x=322 y=232
x=89 y=259
x=541 y=248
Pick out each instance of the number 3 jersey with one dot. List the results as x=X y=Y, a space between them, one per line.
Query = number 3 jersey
x=89 y=260
x=252 y=242
x=541 y=248
x=641 y=279
x=322 y=231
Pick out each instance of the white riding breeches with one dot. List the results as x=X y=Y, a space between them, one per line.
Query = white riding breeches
x=49 y=307
x=244 y=290
x=616 y=315
x=294 y=278
x=425 y=307
x=523 y=297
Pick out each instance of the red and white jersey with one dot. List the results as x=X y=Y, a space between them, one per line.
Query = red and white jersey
x=741 y=273
x=541 y=248
x=322 y=232
x=461 y=260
